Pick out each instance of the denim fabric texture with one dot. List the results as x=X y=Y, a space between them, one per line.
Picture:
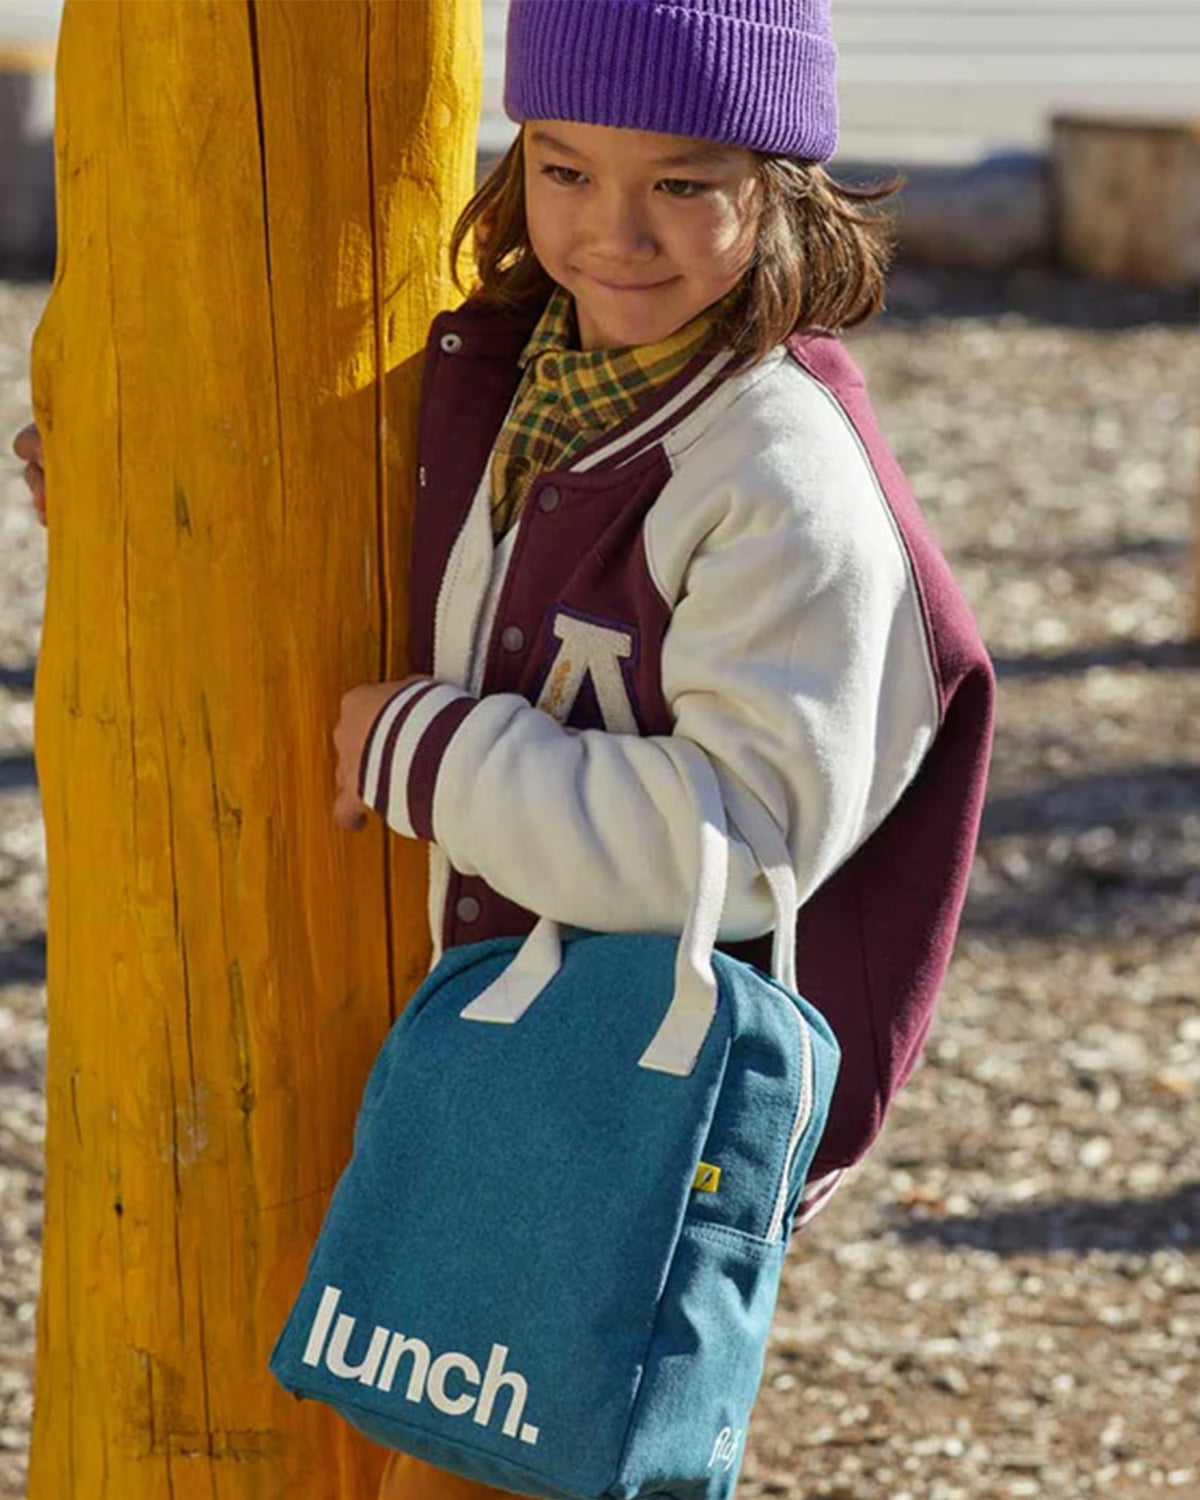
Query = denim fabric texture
x=520 y=1201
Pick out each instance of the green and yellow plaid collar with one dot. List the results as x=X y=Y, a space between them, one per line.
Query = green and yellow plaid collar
x=600 y=387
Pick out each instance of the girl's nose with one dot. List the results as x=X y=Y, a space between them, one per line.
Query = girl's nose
x=619 y=229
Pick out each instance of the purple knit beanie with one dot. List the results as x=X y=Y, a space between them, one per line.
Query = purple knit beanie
x=754 y=73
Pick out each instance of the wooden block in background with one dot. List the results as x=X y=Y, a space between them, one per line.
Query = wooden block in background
x=1127 y=198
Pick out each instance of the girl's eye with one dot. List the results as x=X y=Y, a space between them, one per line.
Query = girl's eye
x=672 y=187
x=681 y=187
x=564 y=176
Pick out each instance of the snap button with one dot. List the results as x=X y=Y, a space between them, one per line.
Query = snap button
x=550 y=367
x=513 y=638
x=450 y=343
x=548 y=498
x=466 y=909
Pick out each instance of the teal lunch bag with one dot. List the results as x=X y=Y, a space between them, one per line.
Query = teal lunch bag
x=552 y=1261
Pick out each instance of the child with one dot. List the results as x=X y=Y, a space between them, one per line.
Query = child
x=654 y=503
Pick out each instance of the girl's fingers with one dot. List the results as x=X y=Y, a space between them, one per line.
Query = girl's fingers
x=36 y=480
x=348 y=812
x=28 y=444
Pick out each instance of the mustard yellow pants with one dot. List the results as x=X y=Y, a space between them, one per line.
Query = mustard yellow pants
x=407 y=1478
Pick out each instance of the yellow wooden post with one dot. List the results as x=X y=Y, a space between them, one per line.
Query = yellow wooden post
x=253 y=203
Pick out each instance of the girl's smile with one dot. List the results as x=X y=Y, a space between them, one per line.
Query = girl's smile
x=650 y=286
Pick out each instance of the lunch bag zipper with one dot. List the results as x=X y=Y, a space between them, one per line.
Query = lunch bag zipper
x=804 y=1108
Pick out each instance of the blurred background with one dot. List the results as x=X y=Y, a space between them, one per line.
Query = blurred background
x=1005 y=1300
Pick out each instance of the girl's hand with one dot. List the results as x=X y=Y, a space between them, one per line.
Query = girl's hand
x=28 y=445
x=359 y=708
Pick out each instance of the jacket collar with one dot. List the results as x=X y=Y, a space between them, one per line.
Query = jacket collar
x=499 y=337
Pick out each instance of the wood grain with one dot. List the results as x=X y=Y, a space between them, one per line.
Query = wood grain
x=253 y=202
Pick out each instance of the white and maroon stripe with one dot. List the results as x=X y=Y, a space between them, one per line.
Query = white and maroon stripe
x=655 y=426
x=427 y=759
x=394 y=741
x=816 y=1196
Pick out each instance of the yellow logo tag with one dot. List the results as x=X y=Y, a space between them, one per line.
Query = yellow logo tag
x=708 y=1179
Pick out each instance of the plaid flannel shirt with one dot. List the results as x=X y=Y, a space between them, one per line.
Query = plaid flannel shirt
x=568 y=397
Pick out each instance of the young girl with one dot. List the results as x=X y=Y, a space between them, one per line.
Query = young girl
x=654 y=503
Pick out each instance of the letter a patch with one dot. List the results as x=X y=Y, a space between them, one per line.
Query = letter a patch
x=592 y=650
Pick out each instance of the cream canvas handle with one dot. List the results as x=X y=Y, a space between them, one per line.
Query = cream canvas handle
x=761 y=835
x=679 y=1039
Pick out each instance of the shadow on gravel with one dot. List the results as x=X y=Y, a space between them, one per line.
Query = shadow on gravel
x=1113 y=853
x=1098 y=801
x=1022 y=561
x=1041 y=294
x=17 y=679
x=1163 y=656
x=17 y=771
x=24 y=962
x=1141 y=1224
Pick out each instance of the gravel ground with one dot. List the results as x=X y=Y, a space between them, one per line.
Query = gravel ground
x=1005 y=1301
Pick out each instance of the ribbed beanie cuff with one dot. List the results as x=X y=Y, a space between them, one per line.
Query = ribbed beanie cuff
x=754 y=73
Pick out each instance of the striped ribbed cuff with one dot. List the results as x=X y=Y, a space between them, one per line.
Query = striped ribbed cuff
x=397 y=775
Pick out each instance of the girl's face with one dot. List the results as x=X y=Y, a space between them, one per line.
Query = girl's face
x=644 y=230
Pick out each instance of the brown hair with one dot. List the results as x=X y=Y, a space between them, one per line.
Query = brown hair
x=820 y=259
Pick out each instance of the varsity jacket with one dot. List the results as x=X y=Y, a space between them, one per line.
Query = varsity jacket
x=740 y=563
